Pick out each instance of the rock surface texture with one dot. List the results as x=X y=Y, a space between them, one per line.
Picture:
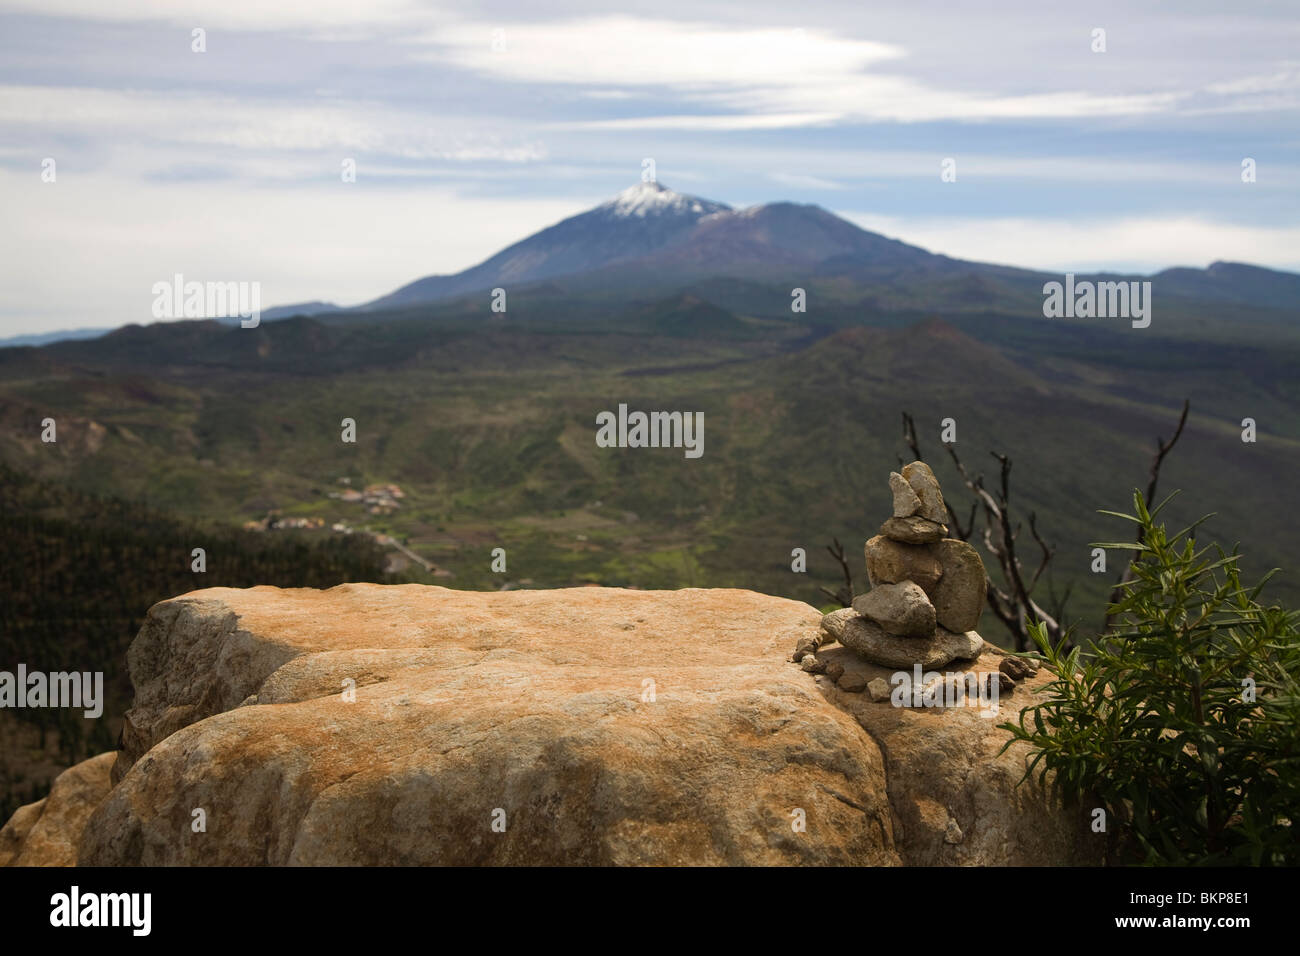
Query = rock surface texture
x=408 y=724
x=902 y=609
x=959 y=595
x=373 y=725
x=934 y=650
x=45 y=833
x=892 y=562
x=926 y=486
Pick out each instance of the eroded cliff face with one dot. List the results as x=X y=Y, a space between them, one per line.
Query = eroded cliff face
x=407 y=724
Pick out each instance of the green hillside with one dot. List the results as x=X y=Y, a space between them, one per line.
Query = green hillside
x=488 y=422
x=77 y=575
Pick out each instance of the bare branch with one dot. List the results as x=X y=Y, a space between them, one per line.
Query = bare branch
x=1048 y=551
x=909 y=436
x=957 y=530
x=1162 y=449
x=1057 y=604
x=845 y=593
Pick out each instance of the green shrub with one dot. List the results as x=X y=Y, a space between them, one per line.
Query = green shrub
x=1183 y=722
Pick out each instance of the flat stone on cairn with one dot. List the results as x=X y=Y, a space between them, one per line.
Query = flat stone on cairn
x=901 y=609
x=869 y=640
x=927 y=590
x=913 y=530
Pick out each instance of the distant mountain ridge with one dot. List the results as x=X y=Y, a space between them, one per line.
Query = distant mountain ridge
x=650 y=243
x=300 y=308
x=650 y=235
x=37 y=339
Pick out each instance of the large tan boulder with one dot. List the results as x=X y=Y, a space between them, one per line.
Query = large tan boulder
x=943 y=767
x=46 y=833
x=581 y=726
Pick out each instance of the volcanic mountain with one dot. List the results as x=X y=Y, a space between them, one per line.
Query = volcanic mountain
x=649 y=237
x=637 y=222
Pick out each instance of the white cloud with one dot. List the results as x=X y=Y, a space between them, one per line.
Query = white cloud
x=866 y=168
x=237 y=14
x=1286 y=79
x=628 y=51
x=84 y=251
x=730 y=122
x=205 y=120
x=748 y=78
x=803 y=181
x=1136 y=243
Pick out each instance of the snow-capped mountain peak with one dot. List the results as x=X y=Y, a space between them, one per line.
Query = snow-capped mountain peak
x=654 y=199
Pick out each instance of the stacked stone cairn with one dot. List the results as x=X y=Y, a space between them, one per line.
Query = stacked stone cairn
x=927 y=590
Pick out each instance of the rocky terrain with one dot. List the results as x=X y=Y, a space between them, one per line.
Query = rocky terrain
x=45 y=833
x=370 y=724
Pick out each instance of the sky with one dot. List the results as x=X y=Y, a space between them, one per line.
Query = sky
x=472 y=125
